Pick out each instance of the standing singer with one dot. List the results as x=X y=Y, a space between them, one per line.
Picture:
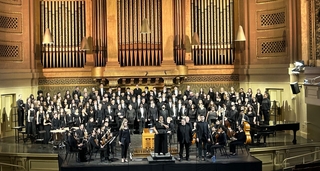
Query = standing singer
x=203 y=136
x=124 y=139
x=184 y=138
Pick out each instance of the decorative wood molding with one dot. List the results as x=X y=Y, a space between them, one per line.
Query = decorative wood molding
x=10 y=22
x=66 y=81
x=13 y=2
x=271 y=19
x=10 y=51
x=213 y=78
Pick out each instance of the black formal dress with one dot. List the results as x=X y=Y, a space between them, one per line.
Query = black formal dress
x=184 y=135
x=161 y=139
x=20 y=106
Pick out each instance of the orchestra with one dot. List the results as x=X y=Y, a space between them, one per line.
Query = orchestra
x=95 y=118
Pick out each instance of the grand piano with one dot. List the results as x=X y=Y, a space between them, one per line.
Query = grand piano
x=266 y=130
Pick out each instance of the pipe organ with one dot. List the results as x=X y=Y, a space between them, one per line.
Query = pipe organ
x=99 y=26
x=136 y=49
x=66 y=20
x=212 y=20
x=179 y=32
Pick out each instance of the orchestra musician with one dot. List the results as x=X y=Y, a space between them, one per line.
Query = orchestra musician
x=160 y=140
x=219 y=139
x=124 y=140
x=184 y=135
x=238 y=139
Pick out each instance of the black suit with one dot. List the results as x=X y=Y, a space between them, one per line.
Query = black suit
x=137 y=91
x=142 y=117
x=184 y=138
x=203 y=135
x=101 y=92
x=153 y=114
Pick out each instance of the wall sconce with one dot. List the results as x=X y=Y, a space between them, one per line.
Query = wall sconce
x=84 y=44
x=145 y=29
x=195 y=39
x=240 y=35
x=47 y=37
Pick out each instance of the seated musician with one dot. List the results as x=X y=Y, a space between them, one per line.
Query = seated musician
x=75 y=144
x=238 y=139
x=220 y=139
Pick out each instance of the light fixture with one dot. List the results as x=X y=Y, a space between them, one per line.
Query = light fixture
x=195 y=39
x=84 y=44
x=47 y=37
x=240 y=35
x=145 y=29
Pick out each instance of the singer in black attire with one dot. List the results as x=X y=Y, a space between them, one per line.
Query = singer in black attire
x=184 y=134
x=203 y=136
x=124 y=139
x=20 y=106
x=160 y=138
x=239 y=139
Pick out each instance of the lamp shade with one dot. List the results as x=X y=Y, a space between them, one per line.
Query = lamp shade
x=195 y=39
x=47 y=37
x=240 y=35
x=145 y=29
x=84 y=44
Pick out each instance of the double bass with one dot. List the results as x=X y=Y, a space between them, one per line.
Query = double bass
x=246 y=129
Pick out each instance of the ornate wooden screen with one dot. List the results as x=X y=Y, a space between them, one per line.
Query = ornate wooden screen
x=212 y=20
x=137 y=49
x=66 y=21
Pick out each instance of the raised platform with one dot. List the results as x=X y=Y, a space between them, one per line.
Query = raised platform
x=239 y=163
x=155 y=158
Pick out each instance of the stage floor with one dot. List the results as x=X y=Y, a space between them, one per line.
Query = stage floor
x=240 y=161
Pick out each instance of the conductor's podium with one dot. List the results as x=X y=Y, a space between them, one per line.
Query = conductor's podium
x=147 y=139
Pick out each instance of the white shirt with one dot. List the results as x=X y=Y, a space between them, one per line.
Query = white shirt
x=142 y=111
